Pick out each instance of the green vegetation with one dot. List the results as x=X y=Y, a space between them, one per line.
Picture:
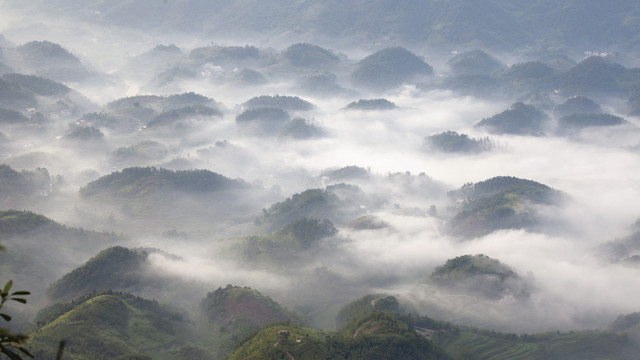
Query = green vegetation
x=376 y=336
x=452 y=142
x=389 y=68
x=12 y=344
x=372 y=104
x=287 y=247
x=18 y=188
x=109 y=325
x=312 y=204
x=137 y=182
x=365 y=306
x=291 y=103
x=115 y=268
x=478 y=275
x=499 y=203
x=519 y=119
x=368 y=222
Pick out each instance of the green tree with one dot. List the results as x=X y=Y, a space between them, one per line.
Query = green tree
x=12 y=344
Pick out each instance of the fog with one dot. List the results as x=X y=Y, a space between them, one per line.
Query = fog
x=571 y=286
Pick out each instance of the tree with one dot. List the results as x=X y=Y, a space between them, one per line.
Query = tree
x=11 y=344
x=284 y=334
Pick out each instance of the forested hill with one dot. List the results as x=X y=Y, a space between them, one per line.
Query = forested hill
x=498 y=24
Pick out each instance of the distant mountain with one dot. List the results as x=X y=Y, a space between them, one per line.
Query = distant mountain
x=389 y=68
x=577 y=105
x=137 y=182
x=474 y=62
x=139 y=154
x=598 y=75
x=284 y=102
x=313 y=204
x=288 y=247
x=499 y=203
x=580 y=121
x=452 y=142
x=495 y=24
x=371 y=104
x=19 y=189
x=519 y=119
x=310 y=56
x=52 y=249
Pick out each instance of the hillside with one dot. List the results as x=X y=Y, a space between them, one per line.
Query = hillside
x=480 y=275
x=452 y=142
x=499 y=203
x=288 y=247
x=110 y=325
x=376 y=336
x=136 y=182
x=115 y=268
x=388 y=68
x=519 y=119
x=231 y=314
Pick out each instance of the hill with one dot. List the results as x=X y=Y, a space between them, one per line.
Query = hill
x=452 y=142
x=288 y=247
x=480 y=275
x=365 y=306
x=577 y=105
x=24 y=188
x=310 y=56
x=314 y=204
x=110 y=325
x=376 y=336
x=579 y=121
x=116 y=268
x=389 y=68
x=233 y=313
x=284 y=102
x=519 y=119
x=499 y=203
x=138 y=182
x=474 y=62
x=371 y=104
x=40 y=249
